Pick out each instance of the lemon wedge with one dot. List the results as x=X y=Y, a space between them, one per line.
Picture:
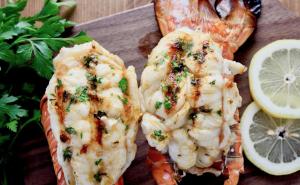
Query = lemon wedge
x=274 y=78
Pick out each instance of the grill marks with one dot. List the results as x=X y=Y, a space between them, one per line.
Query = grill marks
x=60 y=103
x=176 y=71
x=95 y=115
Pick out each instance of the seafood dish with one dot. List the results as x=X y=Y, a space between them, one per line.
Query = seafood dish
x=188 y=95
x=90 y=114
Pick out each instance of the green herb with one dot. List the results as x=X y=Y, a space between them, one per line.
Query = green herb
x=67 y=153
x=81 y=135
x=123 y=85
x=124 y=100
x=157 y=134
x=24 y=43
x=81 y=94
x=97 y=162
x=93 y=79
x=183 y=45
x=167 y=104
x=185 y=72
x=90 y=59
x=219 y=112
x=59 y=83
x=126 y=127
x=158 y=104
x=164 y=88
x=27 y=47
x=178 y=78
x=98 y=177
x=71 y=130
x=99 y=80
x=212 y=82
x=198 y=56
x=165 y=58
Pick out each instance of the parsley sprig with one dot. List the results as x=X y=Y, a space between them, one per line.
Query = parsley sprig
x=23 y=43
x=27 y=46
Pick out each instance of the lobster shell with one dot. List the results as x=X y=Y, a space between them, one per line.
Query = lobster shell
x=45 y=119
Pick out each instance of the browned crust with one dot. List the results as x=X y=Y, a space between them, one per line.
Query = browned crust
x=45 y=119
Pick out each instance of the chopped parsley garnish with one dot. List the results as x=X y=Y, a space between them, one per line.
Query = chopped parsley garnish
x=123 y=85
x=88 y=59
x=177 y=66
x=71 y=130
x=185 y=72
x=93 y=78
x=178 y=78
x=219 y=112
x=67 y=153
x=100 y=114
x=212 y=82
x=157 y=134
x=124 y=100
x=158 y=104
x=126 y=127
x=183 y=45
x=164 y=88
x=167 y=104
x=97 y=162
x=98 y=177
x=59 y=83
x=81 y=94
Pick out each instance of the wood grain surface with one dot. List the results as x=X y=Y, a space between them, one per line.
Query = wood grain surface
x=87 y=10
x=132 y=35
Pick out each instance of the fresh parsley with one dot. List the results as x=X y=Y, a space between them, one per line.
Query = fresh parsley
x=71 y=130
x=157 y=134
x=123 y=85
x=59 y=83
x=97 y=162
x=124 y=100
x=27 y=47
x=81 y=94
x=98 y=177
x=212 y=82
x=167 y=104
x=158 y=104
x=67 y=153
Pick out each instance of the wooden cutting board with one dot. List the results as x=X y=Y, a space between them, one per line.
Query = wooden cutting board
x=132 y=35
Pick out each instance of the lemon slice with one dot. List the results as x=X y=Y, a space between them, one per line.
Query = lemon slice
x=272 y=144
x=274 y=77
